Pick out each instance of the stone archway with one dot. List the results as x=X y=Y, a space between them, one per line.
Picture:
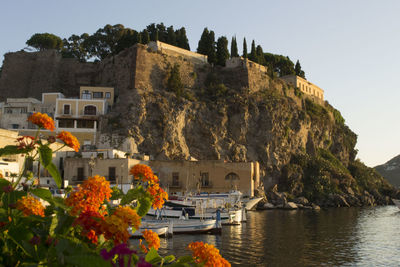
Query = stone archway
x=233 y=179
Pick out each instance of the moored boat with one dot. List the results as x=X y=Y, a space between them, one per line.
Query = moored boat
x=161 y=230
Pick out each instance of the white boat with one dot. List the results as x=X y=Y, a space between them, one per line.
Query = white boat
x=188 y=226
x=161 y=230
x=396 y=202
x=226 y=216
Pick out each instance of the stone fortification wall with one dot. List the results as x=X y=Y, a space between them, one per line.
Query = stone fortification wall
x=305 y=86
x=176 y=51
x=244 y=63
x=29 y=74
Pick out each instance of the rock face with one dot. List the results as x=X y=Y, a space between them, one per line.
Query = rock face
x=391 y=170
x=237 y=114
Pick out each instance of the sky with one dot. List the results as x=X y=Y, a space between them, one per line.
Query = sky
x=351 y=49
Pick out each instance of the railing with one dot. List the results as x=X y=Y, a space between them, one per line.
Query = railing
x=206 y=184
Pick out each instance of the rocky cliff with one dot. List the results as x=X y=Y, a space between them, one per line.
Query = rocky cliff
x=236 y=114
x=391 y=170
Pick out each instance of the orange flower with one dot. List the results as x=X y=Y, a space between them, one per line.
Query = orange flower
x=30 y=206
x=69 y=140
x=207 y=254
x=90 y=221
x=128 y=216
x=90 y=196
x=152 y=239
x=158 y=195
x=114 y=227
x=42 y=120
x=140 y=171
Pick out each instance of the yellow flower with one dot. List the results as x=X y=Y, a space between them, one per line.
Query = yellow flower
x=69 y=140
x=42 y=120
x=30 y=206
x=128 y=216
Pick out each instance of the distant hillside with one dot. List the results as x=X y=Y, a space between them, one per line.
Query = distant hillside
x=391 y=170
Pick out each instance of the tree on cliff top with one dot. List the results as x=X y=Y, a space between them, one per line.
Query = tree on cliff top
x=244 y=48
x=298 y=70
x=253 y=53
x=222 y=50
x=44 y=41
x=207 y=45
x=234 y=48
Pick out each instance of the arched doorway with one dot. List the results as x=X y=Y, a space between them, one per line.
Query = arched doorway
x=233 y=179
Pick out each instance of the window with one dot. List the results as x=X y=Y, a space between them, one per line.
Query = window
x=66 y=123
x=108 y=95
x=24 y=110
x=61 y=163
x=9 y=111
x=88 y=124
x=86 y=95
x=97 y=94
x=80 y=176
x=67 y=109
x=175 y=179
x=43 y=110
x=15 y=126
x=205 y=181
x=111 y=173
x=90 y=110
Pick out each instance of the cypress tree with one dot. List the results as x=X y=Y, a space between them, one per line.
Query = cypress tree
x=222 y=50
x=181 y=38
x=253 y=53
x=244 y=48
x=212 y=56
x=260 y=55
x=234 y=49
x=202 y=46
x=171 y=37
x=145 y=37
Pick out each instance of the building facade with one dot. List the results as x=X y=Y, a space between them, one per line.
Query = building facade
x=304 y=86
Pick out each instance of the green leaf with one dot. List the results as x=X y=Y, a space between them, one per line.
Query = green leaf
x=185 y=259
x=169 y=258
x=46 y=155
x=52 y=169
x=144 y=206
x=42 y=193
x=4 y=183
x=12 y=150
x=12 y=197
x=64 y=223
x=131 y=195
x=152 y=256
x=53 y=225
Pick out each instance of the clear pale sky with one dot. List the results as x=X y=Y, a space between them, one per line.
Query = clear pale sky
x=351 y=49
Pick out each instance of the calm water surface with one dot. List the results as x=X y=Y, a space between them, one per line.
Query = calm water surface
x=333 y=237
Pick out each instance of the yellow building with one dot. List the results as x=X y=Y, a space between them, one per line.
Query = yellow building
x=305 y=86
x=212 y=176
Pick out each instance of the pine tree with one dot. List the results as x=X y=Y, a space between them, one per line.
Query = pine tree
x=298 y=70
x=244 y=48
x=234 y=49
x=253 y=53
x=222 y=50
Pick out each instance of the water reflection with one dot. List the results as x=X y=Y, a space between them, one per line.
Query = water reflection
x=334 y=237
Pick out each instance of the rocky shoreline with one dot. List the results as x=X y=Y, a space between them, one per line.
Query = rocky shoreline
x=281 y=200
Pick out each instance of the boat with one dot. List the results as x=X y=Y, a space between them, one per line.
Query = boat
x=161 y=230
x=228 y=217
x=188 y=226
x=396 y=202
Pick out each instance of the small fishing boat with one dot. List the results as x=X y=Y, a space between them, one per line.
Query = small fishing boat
x=188 y=226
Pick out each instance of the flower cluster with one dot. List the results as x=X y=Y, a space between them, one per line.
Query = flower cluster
x=144 y=173
x=26 y=142
x=158 y=195
x=116 y=226
x=90 y=221
x=152 y=240
x=69 y=140
x=30 y=206
x=89 y=196
x=207 y=254
x=42 y=120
